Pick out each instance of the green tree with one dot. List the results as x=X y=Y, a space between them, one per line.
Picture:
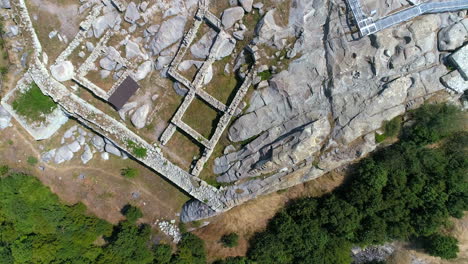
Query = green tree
x=162 y=254
x=230 y=240
x=132 y=213
x=441 y=246
x=191 y=249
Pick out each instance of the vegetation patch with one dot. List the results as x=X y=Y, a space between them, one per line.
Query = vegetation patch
x=201 y=117
x=230 y=240
x=33 y=104
x=36 y=227
x=391 y=129
x=138 y=151
x=130 y=173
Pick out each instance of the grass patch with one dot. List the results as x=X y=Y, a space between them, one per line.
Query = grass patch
x=182 y=150
x=33 y=104
x=129 y=173
x=138 y=151
x=265 y=75
x=32 y=160
x=201 y=117
x=223 y=86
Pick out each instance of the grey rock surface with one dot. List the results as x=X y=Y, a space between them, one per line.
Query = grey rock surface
x=132 y=14
x=63 y=154
x=453 y=37
x=5 y=4
x=98 y=143
x=139 y=116
x=231 y=16
x=247 y=5
x=5 y=118
x=170 y=32
x=195 y=209
x=87 y=154
x=63 y=71
x=143 y=70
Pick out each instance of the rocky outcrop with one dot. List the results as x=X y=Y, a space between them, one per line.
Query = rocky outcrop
x=63 y=71
x=139 y=116
x=194 y=210
x=231 y=16
x=170 y=31
x=453 y=37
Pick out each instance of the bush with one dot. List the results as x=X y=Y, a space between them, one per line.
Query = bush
x=139 y=152
x=441 y=246
x=230 y=240
x=32 y=160
x=392 y=128
x=129 y=173
x=132 y=213
x=4 y=169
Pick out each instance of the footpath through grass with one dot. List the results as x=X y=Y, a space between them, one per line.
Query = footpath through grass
x=33 y=104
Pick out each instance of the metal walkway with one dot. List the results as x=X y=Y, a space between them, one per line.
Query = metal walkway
x=367 y=26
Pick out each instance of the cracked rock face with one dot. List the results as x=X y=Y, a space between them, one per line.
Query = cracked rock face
x=327 y=104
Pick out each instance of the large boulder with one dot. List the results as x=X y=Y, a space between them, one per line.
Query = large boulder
x=132 y=50
x=194 y=210
x=170 y=32
x=143 y=70
x=5 y=4
x=63 y=154
x=453 y=37
x=139 y=116
x=247 y=5
x=5 y=118
x=87 y=154
x=104 y=22
x=231 y=16
x=201 y=49
x=132 y=14
x=107 y=63
x=62 y=71
x=455 y=82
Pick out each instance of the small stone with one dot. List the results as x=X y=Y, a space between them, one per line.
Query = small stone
x=98 y=143
x=105 y=156
x=63 y=154
x=52 y=34
x=143 y=6
x=81 y=54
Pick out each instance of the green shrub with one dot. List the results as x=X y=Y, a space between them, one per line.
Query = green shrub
x=441 y=246
x=4 y=169
x=392 y=128
x=129 y=173
x=132 y=213
x=230 y=240
x=138 y=151
x=32 y=104
x=32 y=160
x=265 y=75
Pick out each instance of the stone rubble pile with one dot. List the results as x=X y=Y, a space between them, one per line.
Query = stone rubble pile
x=170 y=229
x=75 y=141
